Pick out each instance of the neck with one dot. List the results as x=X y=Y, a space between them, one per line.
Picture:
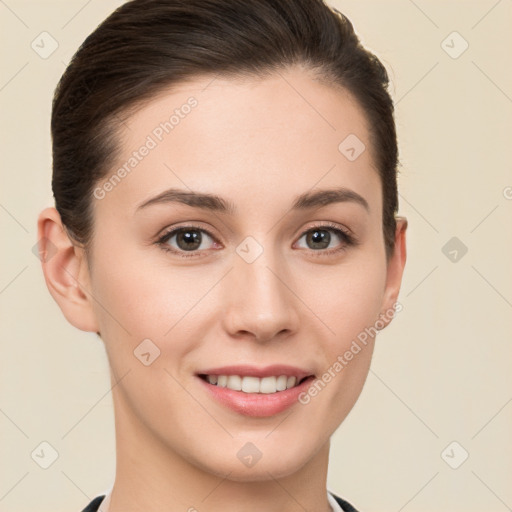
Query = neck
x=152 y=477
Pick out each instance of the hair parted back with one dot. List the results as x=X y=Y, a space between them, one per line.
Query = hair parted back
x=146 y=46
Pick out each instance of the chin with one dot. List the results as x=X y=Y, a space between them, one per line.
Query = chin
x=273 y=462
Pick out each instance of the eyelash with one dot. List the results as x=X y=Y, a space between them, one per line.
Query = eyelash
x=349 y=240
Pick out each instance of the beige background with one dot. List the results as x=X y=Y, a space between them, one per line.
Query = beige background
x=442 y=371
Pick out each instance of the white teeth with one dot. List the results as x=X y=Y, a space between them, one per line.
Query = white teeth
x=281 y=383
x=251 y=385
x=268 y=385
x=234 y=382
x=265 y=385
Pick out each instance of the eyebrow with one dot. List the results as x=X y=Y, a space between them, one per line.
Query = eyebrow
x=212 y=202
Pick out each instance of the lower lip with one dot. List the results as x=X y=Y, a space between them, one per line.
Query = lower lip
x=256 y=404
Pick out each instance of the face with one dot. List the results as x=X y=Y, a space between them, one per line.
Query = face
x=263 y=283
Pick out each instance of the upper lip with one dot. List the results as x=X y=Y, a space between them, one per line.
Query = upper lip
x=261 y=371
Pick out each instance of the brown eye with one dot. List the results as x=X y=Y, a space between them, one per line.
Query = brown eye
x=185 y=239
x=318 y=239
x=321 y=237
x=188 y=239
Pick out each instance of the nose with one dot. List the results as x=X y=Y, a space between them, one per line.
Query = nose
x=259 y=300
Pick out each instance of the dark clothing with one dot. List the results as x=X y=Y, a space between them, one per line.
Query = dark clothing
x=94 y=505
x=345 y=505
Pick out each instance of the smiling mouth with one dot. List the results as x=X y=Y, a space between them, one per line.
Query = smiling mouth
x=249 y=384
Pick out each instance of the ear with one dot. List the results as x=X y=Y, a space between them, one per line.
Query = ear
x=65 y=271
x=395 y=270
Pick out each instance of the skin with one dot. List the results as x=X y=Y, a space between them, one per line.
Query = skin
x=258 y=143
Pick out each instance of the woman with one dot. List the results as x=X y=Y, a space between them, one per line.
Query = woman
x=225 y=188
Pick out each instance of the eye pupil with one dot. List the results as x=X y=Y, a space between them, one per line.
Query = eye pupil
x=320 y=236
x=191 y=238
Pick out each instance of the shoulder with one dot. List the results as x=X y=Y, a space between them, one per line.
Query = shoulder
x=94 y=504
x=345 y=505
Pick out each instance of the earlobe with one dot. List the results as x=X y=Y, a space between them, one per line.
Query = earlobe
x=395 y=270
x=65 y=271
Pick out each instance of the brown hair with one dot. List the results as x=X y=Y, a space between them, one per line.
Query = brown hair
x=148 y=45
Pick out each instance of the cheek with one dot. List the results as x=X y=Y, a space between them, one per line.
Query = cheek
x=349 y=305
x=135 y=295
x=145 y=310
x=347 y=299
x=352 y=312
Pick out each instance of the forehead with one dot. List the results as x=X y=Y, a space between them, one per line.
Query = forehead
x=247 y=137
